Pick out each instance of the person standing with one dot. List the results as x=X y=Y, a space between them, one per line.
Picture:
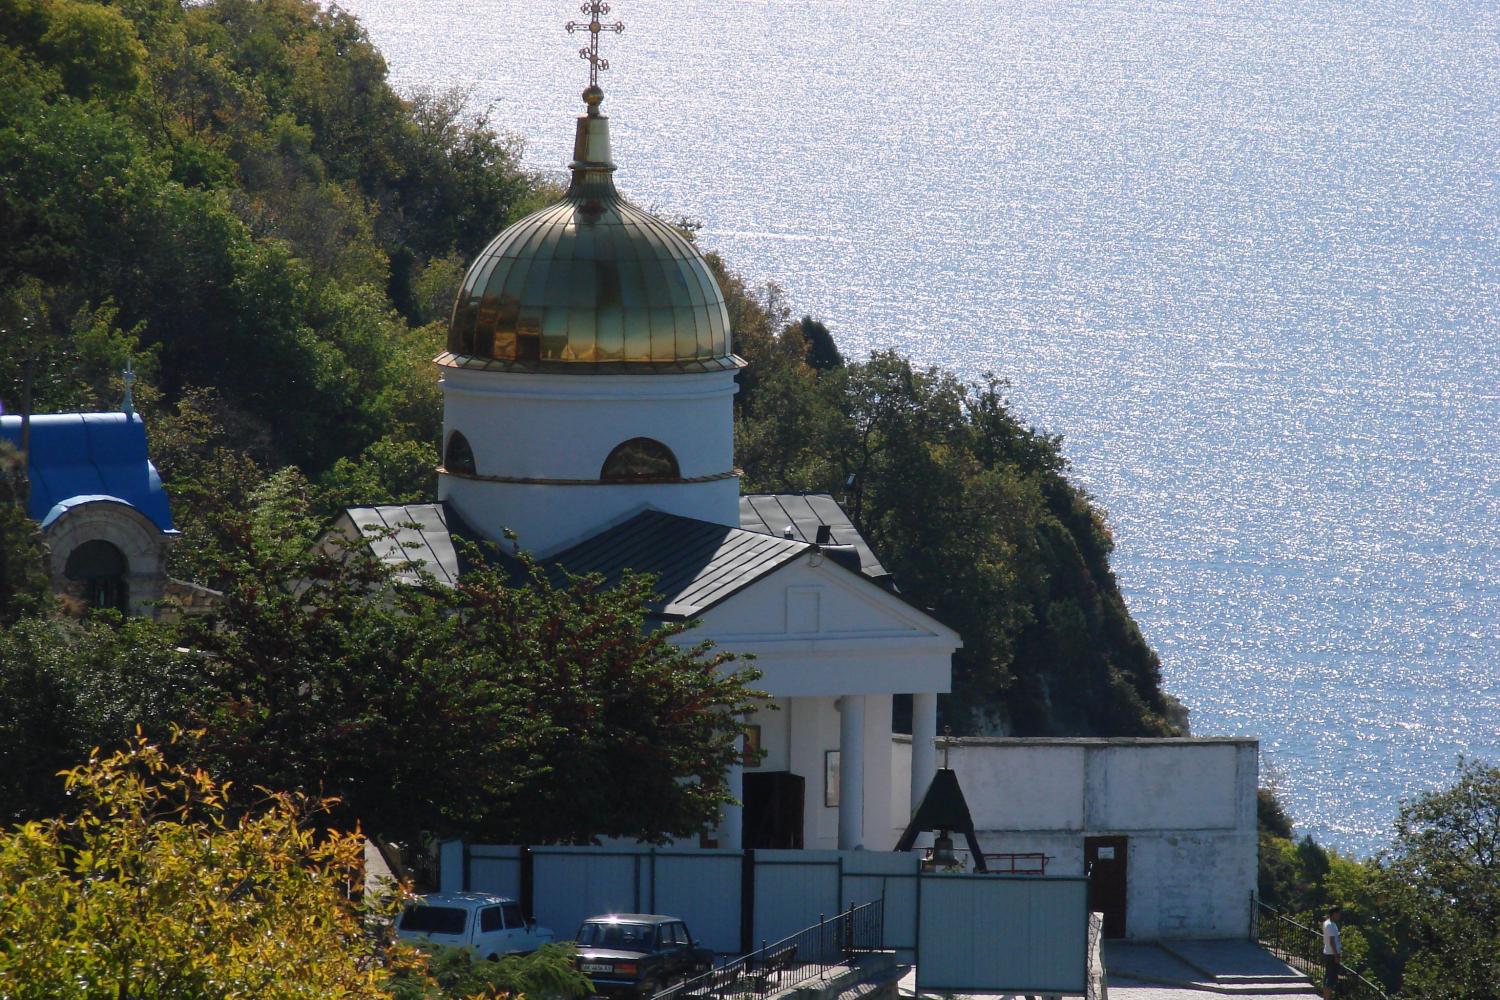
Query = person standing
x=1333 y=952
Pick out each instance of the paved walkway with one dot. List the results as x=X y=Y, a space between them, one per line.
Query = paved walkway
x=1188 y=970
x=1195 y=970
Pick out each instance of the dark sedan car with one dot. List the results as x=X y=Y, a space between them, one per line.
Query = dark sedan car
x=638 y=954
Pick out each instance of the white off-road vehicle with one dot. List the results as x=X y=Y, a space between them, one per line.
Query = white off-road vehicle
x=489 y=926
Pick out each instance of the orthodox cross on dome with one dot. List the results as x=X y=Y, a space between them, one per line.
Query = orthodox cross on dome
x=590 y=53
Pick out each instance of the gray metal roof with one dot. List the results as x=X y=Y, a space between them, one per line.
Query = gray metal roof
x=773 y=513
x=418 y=533
x=697 y=564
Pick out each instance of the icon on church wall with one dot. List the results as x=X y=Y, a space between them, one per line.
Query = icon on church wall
x=752 y=754
x=831 y=778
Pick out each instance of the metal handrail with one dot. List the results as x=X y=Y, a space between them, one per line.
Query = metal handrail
x=792 y=960
x=1301 y=947
x=1011 y=863
x=999 y=864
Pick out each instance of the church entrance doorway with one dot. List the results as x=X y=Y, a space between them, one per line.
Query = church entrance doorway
x=773 y=809
x=96 y=570
x=1104 y=864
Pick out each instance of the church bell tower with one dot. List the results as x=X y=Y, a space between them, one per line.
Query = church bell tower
x=588 y=372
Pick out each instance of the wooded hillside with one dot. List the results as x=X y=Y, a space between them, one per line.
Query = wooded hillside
x=231 y=195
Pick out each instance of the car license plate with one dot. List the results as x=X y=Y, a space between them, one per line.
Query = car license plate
x=598 y=967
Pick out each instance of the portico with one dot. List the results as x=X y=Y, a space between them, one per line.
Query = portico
x=834 y=648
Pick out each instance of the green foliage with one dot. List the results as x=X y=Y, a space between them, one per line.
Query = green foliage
x=154 y=885
x=232 y=193
x=23 y=571
x=822 y=353
x=1441 y=877
x=553 y=709
x=390 y=471
x=1423 y=916
x=626 y=734
x=1271 y=815
x=214 y=457
x=68 y=686
x=549 y=973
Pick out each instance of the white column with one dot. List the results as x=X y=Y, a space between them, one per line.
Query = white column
x=732 y=825
x=923 y=745
x=851 y=772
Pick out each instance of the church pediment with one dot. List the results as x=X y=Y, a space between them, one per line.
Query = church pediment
x=815 y=599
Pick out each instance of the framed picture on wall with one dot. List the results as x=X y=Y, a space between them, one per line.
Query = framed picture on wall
x=751 y=756
x=831 y=778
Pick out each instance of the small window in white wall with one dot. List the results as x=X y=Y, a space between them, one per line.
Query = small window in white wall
x=459 y=457
x=640 y=459
x=803 y=609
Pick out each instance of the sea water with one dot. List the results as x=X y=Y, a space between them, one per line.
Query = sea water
x=1245 y=257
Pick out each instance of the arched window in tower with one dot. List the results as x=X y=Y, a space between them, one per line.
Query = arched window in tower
x=459 y=457
x=97 y=571
x=640 y=459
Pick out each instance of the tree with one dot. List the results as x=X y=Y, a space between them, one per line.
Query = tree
x=1442 y=877
x=23 y=572
x=629 y=734
x=157 y=885
x=549 y=973
x=514 y=706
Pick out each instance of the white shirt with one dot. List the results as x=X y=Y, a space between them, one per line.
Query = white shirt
x=1332 y=944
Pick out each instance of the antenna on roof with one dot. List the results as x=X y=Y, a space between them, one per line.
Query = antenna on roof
x=128 y=403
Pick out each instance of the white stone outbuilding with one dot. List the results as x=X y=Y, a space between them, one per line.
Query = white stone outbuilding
x=1165 y=827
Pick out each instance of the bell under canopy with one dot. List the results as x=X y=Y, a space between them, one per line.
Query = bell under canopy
x=590 y=284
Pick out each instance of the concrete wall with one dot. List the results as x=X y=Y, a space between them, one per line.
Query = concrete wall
x=1187 y=807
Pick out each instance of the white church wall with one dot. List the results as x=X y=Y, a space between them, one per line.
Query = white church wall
x=900 y=785
x=775 y=736
x=550 y=518
x=815 y=731
x=812 y=730
x=819 y=632
x=1169 y=788
x=543 y=426
x=1025 y=788
x=540 y=441
x=1185 y=806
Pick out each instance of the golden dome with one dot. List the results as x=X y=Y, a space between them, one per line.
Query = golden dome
x=590 y=284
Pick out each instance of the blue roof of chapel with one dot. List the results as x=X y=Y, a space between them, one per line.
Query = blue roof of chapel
x=79 y=458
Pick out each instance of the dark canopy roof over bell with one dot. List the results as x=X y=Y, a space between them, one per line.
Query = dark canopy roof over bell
x=943 y=808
